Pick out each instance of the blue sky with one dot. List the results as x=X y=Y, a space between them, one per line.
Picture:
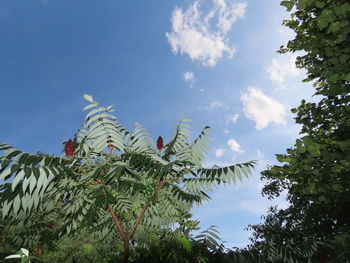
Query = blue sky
x=213 y=61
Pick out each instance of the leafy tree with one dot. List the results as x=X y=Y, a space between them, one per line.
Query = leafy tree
x=322 y=29
x=316 y=170
x=109 y=178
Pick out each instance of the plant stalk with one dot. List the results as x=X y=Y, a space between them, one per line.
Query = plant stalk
x=124 y=236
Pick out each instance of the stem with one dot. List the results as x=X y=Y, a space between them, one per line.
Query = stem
x=145 y=206
x=118 y=223
x=126 y=251
x=124 y=236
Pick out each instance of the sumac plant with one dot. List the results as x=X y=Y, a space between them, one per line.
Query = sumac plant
x=109 y=180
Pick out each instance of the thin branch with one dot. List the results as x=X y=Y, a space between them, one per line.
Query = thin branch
x=145 y=207
x=118 y=223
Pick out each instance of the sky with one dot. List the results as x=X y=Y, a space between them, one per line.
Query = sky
x=157 y=62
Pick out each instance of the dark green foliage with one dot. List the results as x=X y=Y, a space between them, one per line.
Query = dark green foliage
x=322 y=30
x=315 y=172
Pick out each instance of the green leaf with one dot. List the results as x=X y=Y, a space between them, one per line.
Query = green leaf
x=19 y=176
x=32 y=183
x=232 y=168
x=347 y=77
x=23 y=157
x=42 y=180
x=302 y=4
x=13 y=154
x=25 y=202
x=288 y=4
x=98 y=110
x=6 y=173
x=90 y=106
x=239 y=173
x=97 y=118
x=88 y=98
x=320 y=4
x=16 y=204
x=4 y=165
x=25 y=184
x=184 y=242
x=6 y=206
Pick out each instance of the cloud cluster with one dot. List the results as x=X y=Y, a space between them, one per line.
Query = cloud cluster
x=232 y=118
x=219 y=152
x=189 y=76
x=197 y=35
x=234 y=146
x=262 y=109
x=281 y=69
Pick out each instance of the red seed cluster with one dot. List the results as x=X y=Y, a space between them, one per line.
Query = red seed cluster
x=110 y=146
x=160 y=143
x=69 y=148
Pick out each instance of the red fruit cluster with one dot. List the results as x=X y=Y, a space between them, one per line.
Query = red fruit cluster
x=110 y=146
x=99 y=182
x=160 y=143
x=69 y=148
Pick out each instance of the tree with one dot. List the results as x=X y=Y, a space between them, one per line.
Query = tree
x=316 y=170
x=131 y=187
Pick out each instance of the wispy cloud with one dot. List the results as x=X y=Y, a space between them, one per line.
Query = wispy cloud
x=281 y=69
x=197 y=35
x=219 y=152
x=215 y=104
x=189 y=76
x=234 y=146
x=262 y=109
x=232 y=118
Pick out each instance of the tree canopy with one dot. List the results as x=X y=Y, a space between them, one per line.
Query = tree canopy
x=316 y=171
x=108 y=178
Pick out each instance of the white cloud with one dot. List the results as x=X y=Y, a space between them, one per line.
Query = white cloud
x=281 y=69
x=195 y=34
x=234 y=145
x=262 y=109
x=228 y=15
x=232 y=118
x=189 y=76
x=220 y=152
x=201 y=90
x=226 y=131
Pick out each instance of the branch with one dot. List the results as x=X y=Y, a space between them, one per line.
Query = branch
x=145 y=207
x=118 y=223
